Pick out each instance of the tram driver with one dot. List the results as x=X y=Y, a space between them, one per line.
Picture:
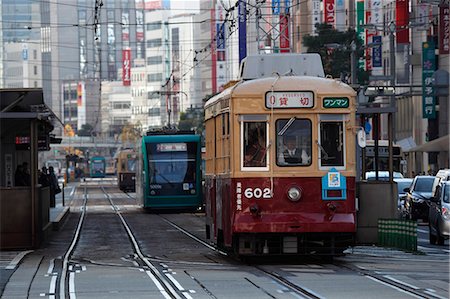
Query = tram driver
x=292 y=154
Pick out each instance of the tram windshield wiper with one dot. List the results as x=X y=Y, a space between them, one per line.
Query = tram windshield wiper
x=286 y=126
x=163 y=177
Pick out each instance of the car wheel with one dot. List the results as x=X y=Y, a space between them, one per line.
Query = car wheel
x=432 y=237
x=439 y=238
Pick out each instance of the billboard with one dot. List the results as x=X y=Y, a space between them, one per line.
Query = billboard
x=242 y=30
x=284 y=33
x=402 y=21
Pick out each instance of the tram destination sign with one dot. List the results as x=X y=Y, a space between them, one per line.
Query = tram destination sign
x=289 y=99
x=338 y=102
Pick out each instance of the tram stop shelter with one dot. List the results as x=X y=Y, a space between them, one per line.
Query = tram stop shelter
x=25 y=126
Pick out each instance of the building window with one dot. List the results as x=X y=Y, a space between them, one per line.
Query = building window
x=154 y=26
x=154 y=60
x=153 y=43
x=154 y=77
x=154 y=112
x=35 y=70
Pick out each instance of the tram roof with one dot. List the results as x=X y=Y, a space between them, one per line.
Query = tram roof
x=259 y=87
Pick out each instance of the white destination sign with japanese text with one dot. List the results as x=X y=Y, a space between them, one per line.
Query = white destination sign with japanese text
x=290 y=99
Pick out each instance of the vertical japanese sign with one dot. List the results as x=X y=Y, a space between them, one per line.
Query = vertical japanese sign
x=340 y=15
x=213 y=51
x=369 y=34
x=428 y=68
x=359 y=25
x=316 y=16
x=402 y=20
x=376 y=17
x=81 y=105
x=444 y=28
x=242 y=30
x=376 y=52
x=328 y=8
x=221 y=34
x=126 y=67
x=284 y=33
x=276 y=7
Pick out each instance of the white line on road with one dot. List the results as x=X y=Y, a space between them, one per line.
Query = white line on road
x=434 y=295
x=72 y=286
x=13 y=264
x=401 y=282
x=175 y=282
x=52 y=288
x=51 y=266
x=391 y=286
x=158 y=285
x=422 y=230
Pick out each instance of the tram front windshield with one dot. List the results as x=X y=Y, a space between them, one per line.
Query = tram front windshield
x=172 y=168
x=97 y=166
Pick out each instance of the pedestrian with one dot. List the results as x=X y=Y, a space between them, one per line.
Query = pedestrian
x=26 y=174
x=18 y=176
x=43 y=178
x=54 y=186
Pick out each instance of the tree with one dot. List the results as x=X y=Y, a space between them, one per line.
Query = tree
x=192 y=119
x=335 y=50
x=86 y=130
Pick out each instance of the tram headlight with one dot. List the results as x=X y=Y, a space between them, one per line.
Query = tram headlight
x=294 y=194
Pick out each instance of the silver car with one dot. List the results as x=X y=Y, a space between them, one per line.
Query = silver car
x=439 y=214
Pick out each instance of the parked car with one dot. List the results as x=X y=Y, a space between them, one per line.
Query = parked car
x=402 y=184
x=382 y=175
x=439 y=214
x=417 y=200
x=442 y=175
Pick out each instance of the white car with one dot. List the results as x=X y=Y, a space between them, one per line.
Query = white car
x=382 y=175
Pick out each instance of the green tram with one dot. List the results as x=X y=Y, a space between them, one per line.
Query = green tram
x=168 y=174
x=97 y=167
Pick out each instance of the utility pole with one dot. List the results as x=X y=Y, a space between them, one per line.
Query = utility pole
x=391 y=128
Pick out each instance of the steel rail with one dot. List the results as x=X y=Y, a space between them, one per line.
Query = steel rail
x=167 y=289
x=63 y=278
x=305 y=293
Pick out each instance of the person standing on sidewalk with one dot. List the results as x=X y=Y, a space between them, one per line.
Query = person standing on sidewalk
x=54 y=186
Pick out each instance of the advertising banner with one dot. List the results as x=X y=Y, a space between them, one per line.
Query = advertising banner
x=428 y=68
x=242 y=30
x=126 y=67
x=377 y=60
x=328 y=8
x=402 y=21
x=284 y=33
x=403 y=63
x=340 y=15
x=316 y=16
x=444 y=28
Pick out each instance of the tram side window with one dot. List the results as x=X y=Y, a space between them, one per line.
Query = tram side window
x=331 y=144
x=255 y=145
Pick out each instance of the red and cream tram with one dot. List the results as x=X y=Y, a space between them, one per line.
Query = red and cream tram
x=280 y=166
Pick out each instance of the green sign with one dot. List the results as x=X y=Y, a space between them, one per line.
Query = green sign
x=428 y=68
x=335 y=103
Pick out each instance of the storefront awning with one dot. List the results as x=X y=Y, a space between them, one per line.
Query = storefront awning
x=440 y=144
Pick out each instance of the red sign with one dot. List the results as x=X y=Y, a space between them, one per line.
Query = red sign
x=284 y=36
x=444 y=29
x=126 y=67
x=329 y=11
x=79 y=94
x=402 y=20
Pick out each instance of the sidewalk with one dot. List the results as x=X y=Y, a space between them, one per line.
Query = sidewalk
x=59 y=213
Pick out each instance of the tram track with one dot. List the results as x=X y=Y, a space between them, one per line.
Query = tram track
x=305 y=292
x=165 y=286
